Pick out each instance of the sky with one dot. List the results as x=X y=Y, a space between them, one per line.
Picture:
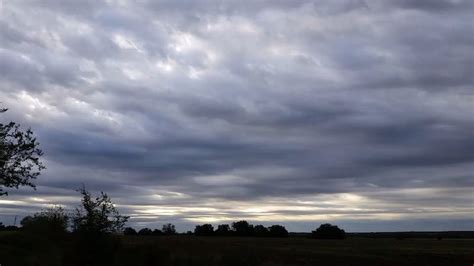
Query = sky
x=357 y=113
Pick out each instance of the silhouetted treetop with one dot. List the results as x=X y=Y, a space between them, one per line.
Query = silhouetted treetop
x=145 y=232
x=223 y=230
x=328 y=231
x=242 y=228
x=19 y=157
x=129 y=231
x=51 y=222
x=204 y=230
x=169 y=229
x=260 y=231
x=97 y=215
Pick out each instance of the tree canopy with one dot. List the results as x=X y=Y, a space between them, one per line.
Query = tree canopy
x=328 y=231
x=19 y=157
x=97 y=215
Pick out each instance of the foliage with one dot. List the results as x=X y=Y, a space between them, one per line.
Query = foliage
x=277 y=231
x=260 y=231
x=19 y=157
x=145 y=232
x=129 y=231
x=157 y=232
x=328 y=231
x=52 y=222
x=223 y=230
x=97 y=215
x=242 y=228
x=169 y=229
x=204 y=230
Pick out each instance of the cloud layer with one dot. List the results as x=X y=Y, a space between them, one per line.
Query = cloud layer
x=294 y=112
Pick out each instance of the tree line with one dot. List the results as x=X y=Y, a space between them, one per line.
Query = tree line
x=239 y=228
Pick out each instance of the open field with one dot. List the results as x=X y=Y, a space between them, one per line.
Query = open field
x=302 y=251
x=15 y=249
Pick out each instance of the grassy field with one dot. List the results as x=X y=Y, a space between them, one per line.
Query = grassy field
x=17 y=249
x=302 y=251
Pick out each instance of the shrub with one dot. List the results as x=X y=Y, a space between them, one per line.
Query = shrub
x=97 y=216
x=52 y=222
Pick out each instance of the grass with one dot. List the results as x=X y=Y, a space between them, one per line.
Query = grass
x=20 y=249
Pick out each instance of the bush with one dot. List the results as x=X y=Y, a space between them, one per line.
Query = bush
x=52 y=222
x=97 y=215
x=328 y=231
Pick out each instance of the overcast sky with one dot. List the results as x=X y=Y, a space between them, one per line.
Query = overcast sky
x=358 y=113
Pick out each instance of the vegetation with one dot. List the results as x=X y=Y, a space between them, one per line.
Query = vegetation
x=52 y=222
x=328 y=231
x=19 y=157
x=204 y=230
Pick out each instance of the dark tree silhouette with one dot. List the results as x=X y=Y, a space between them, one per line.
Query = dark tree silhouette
x=97 y=215
x=145 y=232
x=277 y=231
x=52 y=222
x=260 y=231
x=169 y=229
x=19 y=157
x=129 y=231
x=328 y=231
x=223 y=230
x=242 y=228
x=157 y=232
x=204 y=230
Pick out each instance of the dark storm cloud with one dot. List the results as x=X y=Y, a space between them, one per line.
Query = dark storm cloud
x=275 y=111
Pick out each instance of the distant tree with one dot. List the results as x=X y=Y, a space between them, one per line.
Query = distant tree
x=260 y=231
x=223 y=230
x=2 y=227
x=145 y=232
x=189 y=233
x=129 y=231
x=11 y=228
x=52 y=222
x=277 y=231
x=242 y=228
x=97 y=215
x=19 y=157
x=169 y=229
x=204 y=230
x=328 y=231
x=157 y=232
